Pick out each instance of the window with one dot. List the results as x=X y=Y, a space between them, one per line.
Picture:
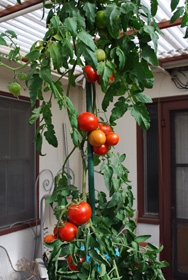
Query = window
x=17 y=162
x=148 y=170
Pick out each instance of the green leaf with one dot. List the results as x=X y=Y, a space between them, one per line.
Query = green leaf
x=119 y=109
x=105 y=70
x=139 y=112
x=87 y=39
x=154 y=7
x=89 y=55
x=108 y=173
x=67 y=48
x=184 y=21
x=143 y=98
x=55 y=22
x=112 y=13
x=116 y=199
x=35 y=116
x=75 y=137
x=150 y=30
x=98 y=258
x=90 y=12
x=12 y=33
x=35 y=88
x=38 y=140
x=142 y=238
x=149 y=55
x=45 y=74
x=118 y=55
x=71 y=25
x=50 y=135
x=33 y=55
x=177 y=14
x=3 y=42
x=174 y=4
x=55 y=50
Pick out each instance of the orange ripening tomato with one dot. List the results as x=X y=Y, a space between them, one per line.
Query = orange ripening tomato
x=97 y=138
x=49 y=238
x=105 y=128
x=112 y=139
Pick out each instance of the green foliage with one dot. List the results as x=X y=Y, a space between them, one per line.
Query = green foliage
x=108 y=243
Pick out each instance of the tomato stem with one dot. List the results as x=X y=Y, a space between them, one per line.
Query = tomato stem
x=14 y=69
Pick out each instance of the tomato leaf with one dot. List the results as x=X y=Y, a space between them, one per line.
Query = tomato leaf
x=112 y=13
x=90 y=12
x=149 y=55
x=87 y=40
x=184 y=20
x=35 y=115
x=119 y=109
x=98 y=258
x=178 y=13
x=142 y=97
x=35 y=88
x=12 y=33
x=105 y=70
x=142 y=238
x=89 y=55
x=3 y=42
x=174 y=4
x=50 y=135
x=154 y=7
x=150 y=30
x=71 y=25
x=55 y=22
x=33 y=55
x=55 y=50
x=139 y=112
x=118 y=55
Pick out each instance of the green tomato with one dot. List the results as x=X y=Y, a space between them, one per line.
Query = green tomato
x=100 y=19
x=22 y=76
x=100 y=55
x=14 y=88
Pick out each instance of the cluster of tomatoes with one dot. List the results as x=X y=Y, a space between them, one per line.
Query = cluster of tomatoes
x=101 y=136
x=77 y=214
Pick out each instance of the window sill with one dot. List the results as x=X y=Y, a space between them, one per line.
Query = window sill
x=149 y=219
x=18 y=227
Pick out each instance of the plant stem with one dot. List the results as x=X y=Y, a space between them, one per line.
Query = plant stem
x=70 y=78
x=116 y=269
x=68 y=157
x=14 y=69
x=84 y=180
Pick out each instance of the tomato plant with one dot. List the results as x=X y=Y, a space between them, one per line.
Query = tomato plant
x=112 y=139
x=97 y=138
x=79 y=213
x=87 y=122
x=101 y=150
x=90 y=74
x=105 y=128
x=67 y=232
x=15 y=88
x=49 y=238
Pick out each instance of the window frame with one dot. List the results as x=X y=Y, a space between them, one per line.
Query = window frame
x=35 y=221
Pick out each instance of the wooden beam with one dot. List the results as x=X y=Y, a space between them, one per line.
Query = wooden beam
x=167 y=24
x=19 y=7
x=174 y=58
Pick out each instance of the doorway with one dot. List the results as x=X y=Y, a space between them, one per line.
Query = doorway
x=174 y=188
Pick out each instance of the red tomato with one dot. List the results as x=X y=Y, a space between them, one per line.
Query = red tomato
x=67 y=232
x=101 y=150
x=79 y=213
x=97 y=138
x=105 y=128
x=112 y=139
x=111 y=79
x=49 y=238
x=72 y=266
x=87 y=122
x=90 y=74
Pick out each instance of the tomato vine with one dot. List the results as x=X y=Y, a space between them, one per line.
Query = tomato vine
x=106 y=244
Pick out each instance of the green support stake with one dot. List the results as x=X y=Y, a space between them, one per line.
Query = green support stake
x=90 y=155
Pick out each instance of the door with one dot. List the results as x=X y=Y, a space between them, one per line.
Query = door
x=174 y=225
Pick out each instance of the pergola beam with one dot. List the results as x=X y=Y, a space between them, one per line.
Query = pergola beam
x=18 y=7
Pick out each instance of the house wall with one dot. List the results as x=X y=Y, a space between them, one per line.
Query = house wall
x=21 y=244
